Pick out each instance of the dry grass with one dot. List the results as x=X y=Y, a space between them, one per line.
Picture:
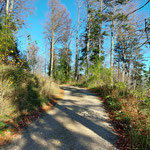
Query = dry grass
x=24 y=97
x=48 y=87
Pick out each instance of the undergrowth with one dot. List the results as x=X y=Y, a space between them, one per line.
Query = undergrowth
x=22 y=93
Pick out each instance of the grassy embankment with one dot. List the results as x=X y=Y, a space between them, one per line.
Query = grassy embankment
x=130 y=112
x=23 y=97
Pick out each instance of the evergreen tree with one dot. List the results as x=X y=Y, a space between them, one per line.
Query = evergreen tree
x=64 y=71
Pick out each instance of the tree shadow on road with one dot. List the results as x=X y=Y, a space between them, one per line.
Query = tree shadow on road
x=47 y=133
x=98 y=129
x=78 y=92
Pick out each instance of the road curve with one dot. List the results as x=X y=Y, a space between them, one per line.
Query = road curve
x=78 y=122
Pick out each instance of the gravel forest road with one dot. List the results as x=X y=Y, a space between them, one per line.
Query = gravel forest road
x=78 y=122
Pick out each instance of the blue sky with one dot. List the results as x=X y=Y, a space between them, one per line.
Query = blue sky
x=35 y=22
x=34 y=25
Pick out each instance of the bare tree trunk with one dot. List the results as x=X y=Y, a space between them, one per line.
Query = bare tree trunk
x=112 y=49
x=88 y=36
x=77 y=40
x=100 y=29
x=118 y=72
x=123 y=72
x=129 y=81
x=52 y=55
x=67 y=67
x=45 y=62
x=52 y=43
x=87 y=57
x=7 y=7
x=134 y=77
x=11 y=6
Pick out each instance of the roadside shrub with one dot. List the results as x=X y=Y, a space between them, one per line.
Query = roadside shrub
x=121 y=86
x=23 y=92
x=132 y=112
x=47 y=87
x=99 y=76
x=113 y=103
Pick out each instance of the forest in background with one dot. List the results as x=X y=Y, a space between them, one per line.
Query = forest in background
x=125 y=85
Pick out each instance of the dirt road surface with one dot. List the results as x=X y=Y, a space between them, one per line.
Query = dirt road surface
x=78 y=122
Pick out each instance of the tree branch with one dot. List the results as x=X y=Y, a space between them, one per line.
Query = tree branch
x=138 y=8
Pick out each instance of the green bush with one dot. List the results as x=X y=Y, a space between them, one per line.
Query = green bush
x=113 y=103
x=120 y=86
x=99 y=76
